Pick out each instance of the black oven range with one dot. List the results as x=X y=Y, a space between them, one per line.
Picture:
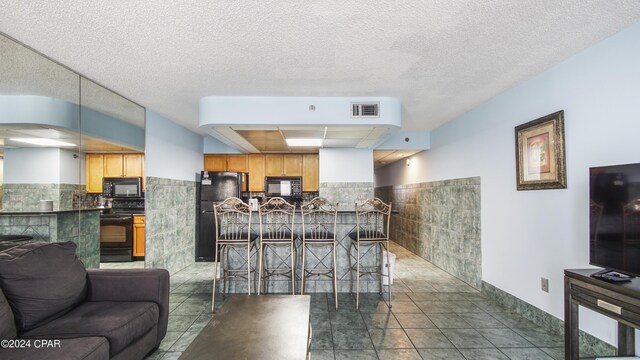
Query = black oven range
x=116 y=229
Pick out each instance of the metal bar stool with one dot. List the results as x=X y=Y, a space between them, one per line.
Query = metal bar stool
x=233 y=221
x=319 y=230
x=276 y=230
x=372 y=226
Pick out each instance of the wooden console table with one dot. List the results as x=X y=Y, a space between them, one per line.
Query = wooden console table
x=255 y=327
x=619 y=301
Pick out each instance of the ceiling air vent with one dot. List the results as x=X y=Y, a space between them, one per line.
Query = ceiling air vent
x=365 y=110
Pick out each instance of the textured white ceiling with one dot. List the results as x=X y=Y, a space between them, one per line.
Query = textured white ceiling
x=439 y=57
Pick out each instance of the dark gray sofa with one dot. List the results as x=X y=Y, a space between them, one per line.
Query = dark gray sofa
x=47 y=294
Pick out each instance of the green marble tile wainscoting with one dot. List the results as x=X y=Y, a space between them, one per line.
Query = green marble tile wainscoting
x=588 y=343
x=440 y=222
x=170 y=217
x=82 y=229
x=26 y=197
x=346 y=194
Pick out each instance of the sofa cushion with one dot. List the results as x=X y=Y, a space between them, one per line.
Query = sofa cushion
x=122 y=323
x=42 y=281
x=85 y=348
x=7 y=321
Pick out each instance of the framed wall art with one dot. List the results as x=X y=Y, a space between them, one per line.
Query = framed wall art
x=540 y=159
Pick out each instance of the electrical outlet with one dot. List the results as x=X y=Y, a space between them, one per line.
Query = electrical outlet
x=544 y=284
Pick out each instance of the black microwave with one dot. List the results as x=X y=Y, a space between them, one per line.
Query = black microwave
x=280 y=186
x=122 y=187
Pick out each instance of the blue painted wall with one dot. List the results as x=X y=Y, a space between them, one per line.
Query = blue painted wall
x=171 y=151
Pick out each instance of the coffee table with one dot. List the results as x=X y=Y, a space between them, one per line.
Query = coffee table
x=255 y=327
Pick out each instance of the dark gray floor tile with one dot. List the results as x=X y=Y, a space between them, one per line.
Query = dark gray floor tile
x=483 y=354
x=322 y=339
x=191 y=308
x=526 y=354
x=428 y=338
x=482 y=320
x=435 y=307
x=396 y=296
x=322 y=354
x=320 y=321
x=474 y=296
x=172 y=355
x=169 y=340
x=200 y=322
x=356 y=355
x=346 y=320
x=556 y=353
x=184 y=341
x=451 y=296
x=463 y=307
x=489 y=306
x=423 y=296
x=513 y=320
x=202 y=297
x=390 y=339
x=415 y=321
x=351 y=339
x=180 y=322
x=504 y=338
x=380 y=320
x=449 y=321
x=405 y=307
x=466 y=338
x=440 y=354
x=398 y=354
x=540 y=337
x=177 y=297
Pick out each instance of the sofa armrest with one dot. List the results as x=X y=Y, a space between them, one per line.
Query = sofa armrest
x=132 y=285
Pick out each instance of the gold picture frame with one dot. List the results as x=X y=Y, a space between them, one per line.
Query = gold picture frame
x=540 y=159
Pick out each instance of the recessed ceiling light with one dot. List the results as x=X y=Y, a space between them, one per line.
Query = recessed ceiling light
x=304 y=142
x=42 y=142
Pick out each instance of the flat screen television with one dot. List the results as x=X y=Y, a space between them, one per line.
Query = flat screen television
x=614 y=236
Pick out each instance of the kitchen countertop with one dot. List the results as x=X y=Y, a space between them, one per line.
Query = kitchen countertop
x=53 y=212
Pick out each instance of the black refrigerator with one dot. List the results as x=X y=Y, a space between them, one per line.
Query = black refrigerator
x=214 y=188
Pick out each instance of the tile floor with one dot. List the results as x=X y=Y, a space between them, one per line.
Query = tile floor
x=433 y=316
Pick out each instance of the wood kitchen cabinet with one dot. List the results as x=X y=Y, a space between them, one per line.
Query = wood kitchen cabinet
x=123 y=165
x=310 y=172
x=283 y=165
x=138 y=235
x=237 y=162
x=99 y=166
x=94 y=174
x=256 y=172
x=215 y=162
x=273 y=165
x=292 y=165
x=222 y=162
x=260 y=165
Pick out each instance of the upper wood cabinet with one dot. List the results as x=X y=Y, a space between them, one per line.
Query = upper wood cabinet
x=94 y=167
x=123 y=165
x=283 y=165
x=273 y=165
x=222 y=162
x=99 y=166
x=292 y=164
x=237 y=162
x=260 y=165
x=256 y=172
x=215 y=162
x=310 y=172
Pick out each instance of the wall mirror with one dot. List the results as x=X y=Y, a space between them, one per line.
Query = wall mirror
x=51 y=119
